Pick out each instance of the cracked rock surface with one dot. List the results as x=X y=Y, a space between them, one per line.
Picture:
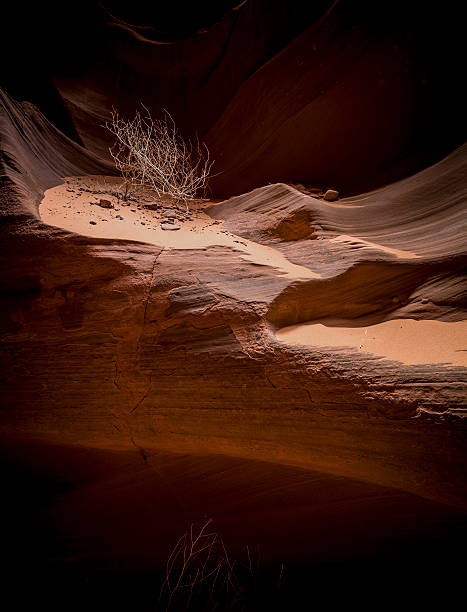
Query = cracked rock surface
x=113 y=343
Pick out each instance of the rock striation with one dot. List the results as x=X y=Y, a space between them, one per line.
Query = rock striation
x=117 y=344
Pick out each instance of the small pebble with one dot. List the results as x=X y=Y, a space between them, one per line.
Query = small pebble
x=92 y=222
x=105 y=203
x=170 y=214
x=331 y=195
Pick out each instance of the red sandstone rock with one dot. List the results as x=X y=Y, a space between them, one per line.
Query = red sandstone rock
x=175 y=349
x=146 y=385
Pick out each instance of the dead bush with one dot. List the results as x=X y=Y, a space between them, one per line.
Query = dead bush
x=152 y=153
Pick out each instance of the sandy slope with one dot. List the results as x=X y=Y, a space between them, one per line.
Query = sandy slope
x=403 y=340
x=74 y=204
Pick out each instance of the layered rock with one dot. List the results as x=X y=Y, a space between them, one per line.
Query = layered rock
x=119 y=344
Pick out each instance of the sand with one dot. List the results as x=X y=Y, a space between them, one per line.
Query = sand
x=354 y=241
x=405 y=340
x=74 y=204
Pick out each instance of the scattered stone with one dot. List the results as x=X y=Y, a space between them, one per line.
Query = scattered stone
x=143 y=223
x=119 y=217
x=105 y=203
x=331 y=195
x=216 y=222
x=132 y=209
x=170 y=214
x=151 y=205
x=169 y=226
x=92 y=222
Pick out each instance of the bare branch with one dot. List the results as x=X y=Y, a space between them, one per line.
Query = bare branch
x=152 y=153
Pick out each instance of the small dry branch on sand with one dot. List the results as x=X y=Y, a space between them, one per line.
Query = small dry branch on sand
x=152 y=153
x=198 y=570
x=200 y=575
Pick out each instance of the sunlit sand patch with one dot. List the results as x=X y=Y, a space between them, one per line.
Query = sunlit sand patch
x=267 y=256
x=72 y=206
x=405 y=340
x=337 y=204
x=353 y=240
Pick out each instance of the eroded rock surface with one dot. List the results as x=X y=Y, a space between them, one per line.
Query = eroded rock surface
x=120 y=344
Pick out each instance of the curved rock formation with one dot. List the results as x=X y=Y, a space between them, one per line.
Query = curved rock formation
x=297 y=369
x=345 y=94
x=176 y=350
